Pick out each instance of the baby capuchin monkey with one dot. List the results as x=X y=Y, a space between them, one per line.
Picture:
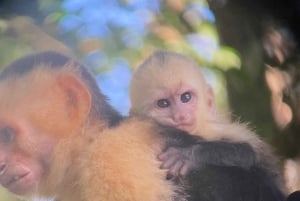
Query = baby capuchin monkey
x=170 y=88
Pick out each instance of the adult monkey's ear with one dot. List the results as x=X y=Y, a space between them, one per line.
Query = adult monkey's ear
x=77 y=98
x=277 y=81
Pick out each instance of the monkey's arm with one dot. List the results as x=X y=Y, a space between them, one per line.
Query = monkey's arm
x=182 y=159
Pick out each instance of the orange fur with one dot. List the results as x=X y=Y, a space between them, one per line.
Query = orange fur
x=116 y=167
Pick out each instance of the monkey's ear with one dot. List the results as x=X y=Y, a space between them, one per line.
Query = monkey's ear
x=210 y=102
x=77 y=98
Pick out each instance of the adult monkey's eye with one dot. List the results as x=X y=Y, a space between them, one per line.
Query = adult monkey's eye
x=163 y=103
x=7 y=135
x=186 y=97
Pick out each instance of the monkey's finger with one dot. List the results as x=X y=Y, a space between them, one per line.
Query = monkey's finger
x=185 y=169
x=166 y=155
x=175 y=169
x=163 y=156
x=169 y=162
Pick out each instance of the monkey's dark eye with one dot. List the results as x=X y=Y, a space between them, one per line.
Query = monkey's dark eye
x=7 y=135
x=186 y=97
x=163 y=103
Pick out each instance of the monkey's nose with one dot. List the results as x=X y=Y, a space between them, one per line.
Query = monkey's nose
x=181 y=118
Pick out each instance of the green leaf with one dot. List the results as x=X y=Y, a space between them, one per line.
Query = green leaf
x=226 y=58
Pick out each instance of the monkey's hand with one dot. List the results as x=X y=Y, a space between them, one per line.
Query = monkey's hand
x=178 y=160
x=181 y=160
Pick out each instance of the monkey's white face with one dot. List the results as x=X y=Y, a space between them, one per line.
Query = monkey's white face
x=24 y=153
x=31 y=123
x=175 y=108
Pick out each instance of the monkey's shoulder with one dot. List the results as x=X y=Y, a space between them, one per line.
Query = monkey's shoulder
x=133 y=140
x=124 y=158
x=133 y=130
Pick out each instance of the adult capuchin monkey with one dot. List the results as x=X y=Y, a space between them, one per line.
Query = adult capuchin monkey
x=60 y=138
x=170 y=88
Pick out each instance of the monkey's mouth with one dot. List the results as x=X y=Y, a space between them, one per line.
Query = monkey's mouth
x=16 y=178
x=16 y=183
x=185 y=127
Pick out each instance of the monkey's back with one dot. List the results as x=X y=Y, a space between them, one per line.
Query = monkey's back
x=122 y=165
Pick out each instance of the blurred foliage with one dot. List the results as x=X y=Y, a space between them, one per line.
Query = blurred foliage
x=105 y=34
x=6 y=196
